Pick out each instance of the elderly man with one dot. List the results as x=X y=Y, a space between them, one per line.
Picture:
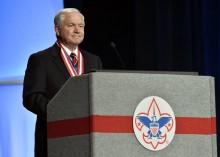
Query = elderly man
x=48 y=70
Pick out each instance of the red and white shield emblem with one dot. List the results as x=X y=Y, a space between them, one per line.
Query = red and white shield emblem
x=154 y=127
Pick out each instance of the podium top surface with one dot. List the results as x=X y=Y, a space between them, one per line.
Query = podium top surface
x=148 y=72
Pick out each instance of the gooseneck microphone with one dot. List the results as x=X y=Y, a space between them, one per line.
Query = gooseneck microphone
x=116 y=51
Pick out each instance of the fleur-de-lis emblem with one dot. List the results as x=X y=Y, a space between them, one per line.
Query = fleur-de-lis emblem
x=154 y=125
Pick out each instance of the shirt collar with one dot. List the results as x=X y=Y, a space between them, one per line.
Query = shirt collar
x=68 y=50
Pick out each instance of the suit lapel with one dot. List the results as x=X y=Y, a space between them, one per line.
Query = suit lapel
x=58 y=60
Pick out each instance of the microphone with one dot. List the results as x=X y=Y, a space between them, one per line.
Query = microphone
x=116 y=51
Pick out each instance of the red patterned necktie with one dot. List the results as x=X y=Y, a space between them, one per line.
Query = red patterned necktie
x=74 y=59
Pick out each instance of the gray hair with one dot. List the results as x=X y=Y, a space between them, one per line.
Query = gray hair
x=59 y=17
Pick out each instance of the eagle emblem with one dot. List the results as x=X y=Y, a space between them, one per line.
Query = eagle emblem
x=154 y=123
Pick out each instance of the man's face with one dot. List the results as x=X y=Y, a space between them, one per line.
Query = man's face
x=71 y=32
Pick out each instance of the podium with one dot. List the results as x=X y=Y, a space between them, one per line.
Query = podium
x=93 y=115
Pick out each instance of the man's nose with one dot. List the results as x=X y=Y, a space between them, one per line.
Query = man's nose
x=76 y=30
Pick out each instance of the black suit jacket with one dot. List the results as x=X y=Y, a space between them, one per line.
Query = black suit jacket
x=45 y=75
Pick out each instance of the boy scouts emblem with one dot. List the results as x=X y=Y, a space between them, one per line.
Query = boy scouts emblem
x=154 y=123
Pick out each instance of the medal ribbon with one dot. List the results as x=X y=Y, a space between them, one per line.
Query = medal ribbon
x=67 y=61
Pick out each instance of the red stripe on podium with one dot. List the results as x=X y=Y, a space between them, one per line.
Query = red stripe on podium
x=112 y=124
x=69 y=127
x=123 y=124
x=189 y=125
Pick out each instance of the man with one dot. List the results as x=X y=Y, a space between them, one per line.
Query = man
x=48 y=70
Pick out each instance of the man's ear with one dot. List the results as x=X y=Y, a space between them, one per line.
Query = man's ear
x=57 y=30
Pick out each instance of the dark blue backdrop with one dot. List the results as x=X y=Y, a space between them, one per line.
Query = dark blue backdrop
x=164 y=35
